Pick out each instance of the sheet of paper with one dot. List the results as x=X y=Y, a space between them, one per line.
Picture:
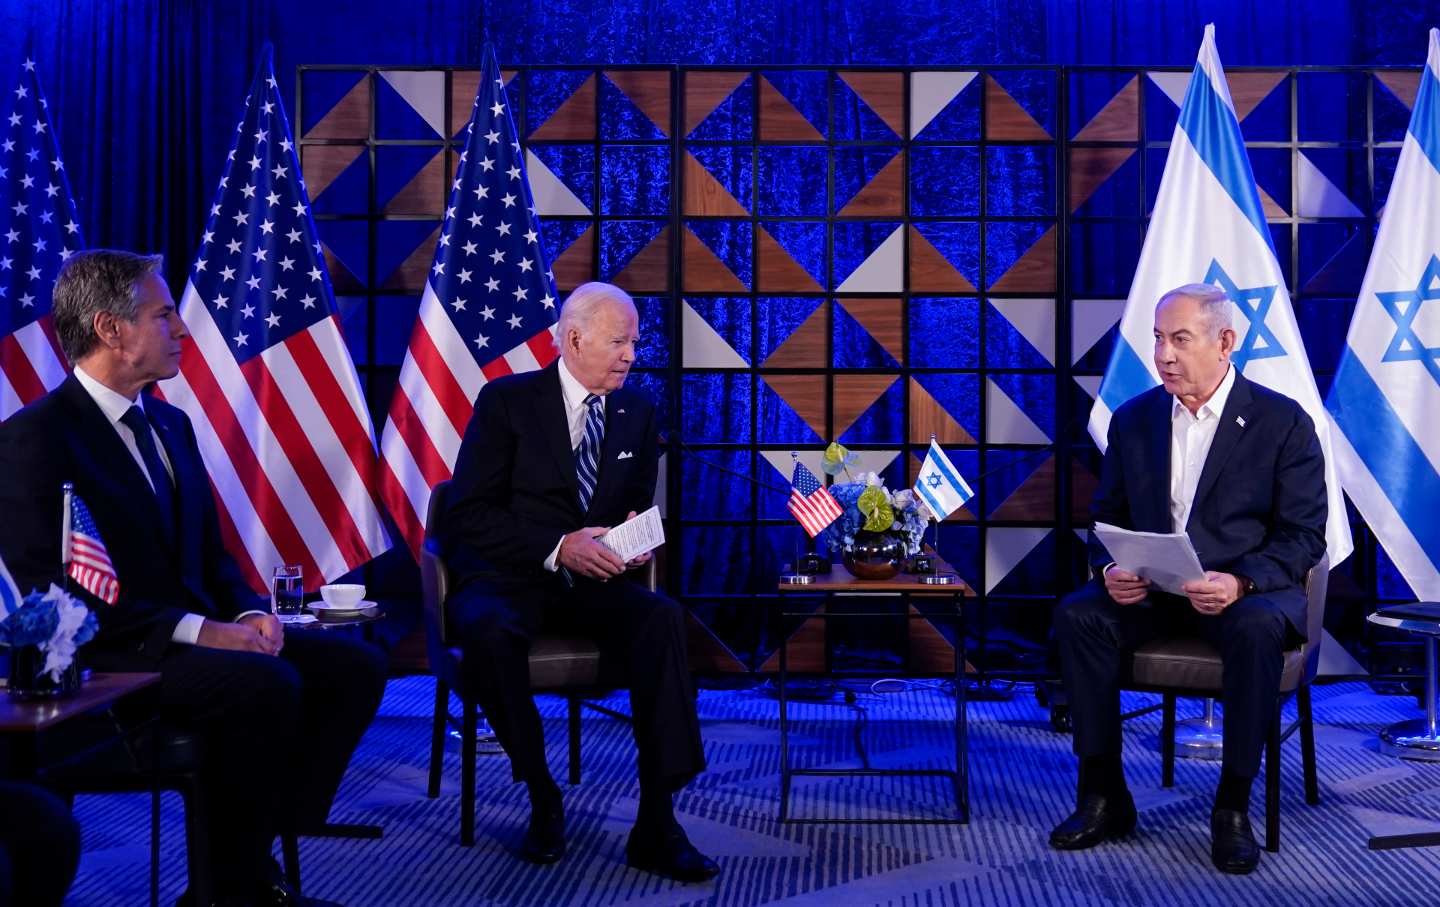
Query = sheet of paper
x=633 y=538
x=1166 y=559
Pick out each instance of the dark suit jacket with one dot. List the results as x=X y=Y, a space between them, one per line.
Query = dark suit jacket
x=1260 y=507
x=515 y=492
x=64 y=437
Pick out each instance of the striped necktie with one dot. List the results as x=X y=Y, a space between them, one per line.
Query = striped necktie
x=587 y=455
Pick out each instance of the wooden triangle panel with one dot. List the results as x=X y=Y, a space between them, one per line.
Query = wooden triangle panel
x=321 y=165
x=1118 y=120
x=1034 y=272
x=806 y=348
x=961 y=514
x=704 y=272
x=1034 y=500
x=1403 y=85
x=649 y=270
x=1248 y=89
x=425 y=193
x=705 y=195
x=805 y=650
x=648 y=90
x=576 y=265
x=777 y=271
x=805 y=394
x=930 y=651
x=928 y=417
x=854 y=394
x=341 y=278
x=410 y=276
x=883 y=196
x=1005 y=119
x=704 y=91
x=1083 y=485
x=780 y=121
x=930 y=271
x=348 y=119
x=882 y=92
x=574 y=119
x=1090 y=168
x=883 y=320
x=1271 y=207
x=707 y=651
x=464 y=84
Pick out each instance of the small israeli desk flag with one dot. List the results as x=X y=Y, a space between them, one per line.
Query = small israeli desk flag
x=939 y=484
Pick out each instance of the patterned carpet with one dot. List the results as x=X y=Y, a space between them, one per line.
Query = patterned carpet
x=1023 y=776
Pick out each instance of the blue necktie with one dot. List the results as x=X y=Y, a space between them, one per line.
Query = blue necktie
x=134 y=419
x=587 y=455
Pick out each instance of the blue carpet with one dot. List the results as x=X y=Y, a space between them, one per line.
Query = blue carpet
x=1023 y=782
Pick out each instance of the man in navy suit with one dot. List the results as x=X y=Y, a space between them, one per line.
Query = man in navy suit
x=1239 y=468
x=550 y=459
x=279 y=714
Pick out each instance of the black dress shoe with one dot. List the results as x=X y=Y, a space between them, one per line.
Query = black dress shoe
x=1232 y=843
x=545 y=838
x=669 y=853
x=1096 y=819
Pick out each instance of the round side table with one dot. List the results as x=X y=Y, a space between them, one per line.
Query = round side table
x=1418 y=738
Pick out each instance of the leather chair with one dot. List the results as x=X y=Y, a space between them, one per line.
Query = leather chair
x=568 y=665
x=1191 y=667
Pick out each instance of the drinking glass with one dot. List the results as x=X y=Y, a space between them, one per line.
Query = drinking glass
x=288 y=590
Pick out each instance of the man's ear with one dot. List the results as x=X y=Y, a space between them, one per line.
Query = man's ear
x=107 y=329
x=1227 y=340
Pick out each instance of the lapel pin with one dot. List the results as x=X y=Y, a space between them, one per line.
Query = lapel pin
x=619 y=412
x=1240 y=421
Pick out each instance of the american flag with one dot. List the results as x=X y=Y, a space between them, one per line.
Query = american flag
x=488 y=310
x=810 y=503
x=267 y=380
x=89 y=561
x=38 y=231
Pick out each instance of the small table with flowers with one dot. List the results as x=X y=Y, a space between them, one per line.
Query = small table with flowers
x=906 y=586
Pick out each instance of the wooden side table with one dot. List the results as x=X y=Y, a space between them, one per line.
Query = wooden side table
x=906 y=586
x=22 y=724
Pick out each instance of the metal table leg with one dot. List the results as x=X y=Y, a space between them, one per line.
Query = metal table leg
x=1417 y=738
x=784 y=730
x=1201 y=738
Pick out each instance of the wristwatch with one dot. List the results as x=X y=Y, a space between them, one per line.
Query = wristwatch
x=1247 y=585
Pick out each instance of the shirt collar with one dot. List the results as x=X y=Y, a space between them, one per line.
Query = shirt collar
x=112 y=403
x=575 y=392
x=1215 y=406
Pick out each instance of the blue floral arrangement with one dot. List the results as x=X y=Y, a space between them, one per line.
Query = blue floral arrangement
x=54 y=622
x=867 y=505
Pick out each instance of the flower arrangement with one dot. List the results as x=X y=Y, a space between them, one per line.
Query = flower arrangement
x=867 y=505
x=53 y=622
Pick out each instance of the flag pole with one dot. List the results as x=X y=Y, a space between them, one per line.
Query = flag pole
x=67 y=492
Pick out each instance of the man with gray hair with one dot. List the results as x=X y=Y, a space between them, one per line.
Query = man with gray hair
x=257 y=698
x=550 y=460
x=1240 y=469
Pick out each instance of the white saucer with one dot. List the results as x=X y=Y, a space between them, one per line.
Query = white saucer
x=339 y=609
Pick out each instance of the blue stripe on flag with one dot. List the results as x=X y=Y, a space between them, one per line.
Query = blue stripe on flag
x=1215 y=133
x=1388 y=450
x=930 y=500
x=1126 y=377
x=942 y=463
x=1425 y=120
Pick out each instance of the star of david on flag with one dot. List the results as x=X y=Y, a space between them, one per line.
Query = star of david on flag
x=39 y=230
x=266 y=378
x=1208 y=227
x=1385 y=398
x=940 y=484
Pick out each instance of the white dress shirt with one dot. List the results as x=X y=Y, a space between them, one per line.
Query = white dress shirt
x=114 y=405
x=1190 y=438
x=574 y=394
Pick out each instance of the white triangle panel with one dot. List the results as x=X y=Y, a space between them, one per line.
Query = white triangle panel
x=1174 y=84
x=660 y=485
x=784 y=464
x=1319 y=197
x=883 y=271
x=552 y=196
x=1090 y=384
x=870 y=461
x=1005 y=548
x=1089 y=320
x=1005 y=422
x=931 y=92
x=703 y=346
x=1034 y=319
x=423 y=90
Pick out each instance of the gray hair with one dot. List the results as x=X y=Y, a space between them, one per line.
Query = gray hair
x=1215 y=307
x=100 y=280
x=579 y=308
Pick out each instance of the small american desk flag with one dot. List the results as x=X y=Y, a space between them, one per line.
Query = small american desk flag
x=810 y=503
x=89 y=562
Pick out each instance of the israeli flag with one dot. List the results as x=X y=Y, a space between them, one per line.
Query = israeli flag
x=940 y=485
x=9 y=592
x=1386 y=394
x=1208 y=227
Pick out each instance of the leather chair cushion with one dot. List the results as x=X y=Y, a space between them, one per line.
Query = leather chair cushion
x=1194 y=665
x=556 y=662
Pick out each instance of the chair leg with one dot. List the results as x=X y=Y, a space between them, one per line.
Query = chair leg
x=1167 y=742
x=1307 y=744
x=290 y=850
x=574 y=727
x=467 y=776
x=437 y=737
x=197 y=844
x=1272 y=784
x=155 y=848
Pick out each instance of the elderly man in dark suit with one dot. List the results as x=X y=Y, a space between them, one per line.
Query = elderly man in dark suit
x=279 y=714
x=550 y=459
x=1239 y=468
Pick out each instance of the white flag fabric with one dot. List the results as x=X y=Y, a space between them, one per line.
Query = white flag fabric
x=1386 y=396
x=940 y=484
x=1208 y=227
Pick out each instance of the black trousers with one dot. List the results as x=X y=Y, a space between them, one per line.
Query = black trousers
x=277 y=732
x=39 y=846
x=1096 y=637
x=639 y=632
